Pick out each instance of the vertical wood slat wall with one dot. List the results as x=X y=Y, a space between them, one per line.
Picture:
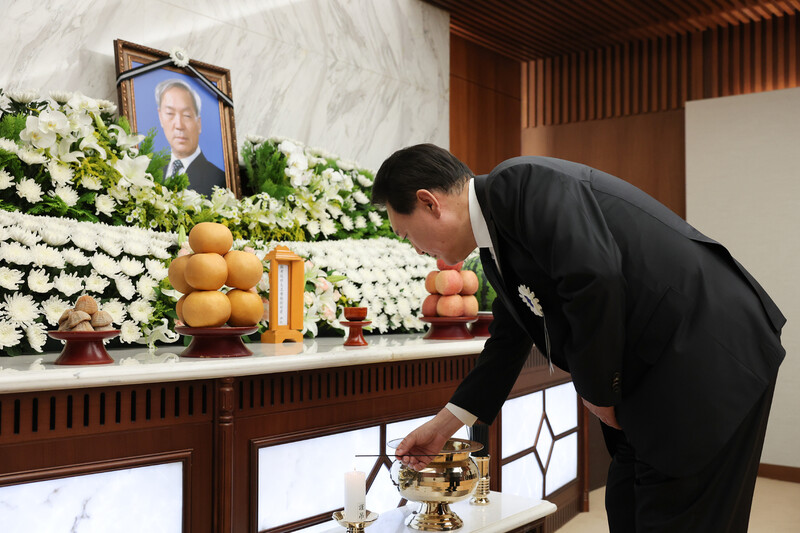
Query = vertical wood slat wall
x=661 y=74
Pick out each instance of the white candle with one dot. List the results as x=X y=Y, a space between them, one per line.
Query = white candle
x=355 y=490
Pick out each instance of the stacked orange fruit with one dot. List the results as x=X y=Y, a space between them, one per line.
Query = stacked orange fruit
x=210 y=267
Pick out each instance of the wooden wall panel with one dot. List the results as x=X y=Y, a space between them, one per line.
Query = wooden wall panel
x=485 y=105
x=646 y=150
x=662 y=73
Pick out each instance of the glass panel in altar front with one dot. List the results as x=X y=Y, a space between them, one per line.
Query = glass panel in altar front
x=305 y=478
x=521 y=417
x=523 y=477
x=131 y=500
x=561 y=403
x=563 y=466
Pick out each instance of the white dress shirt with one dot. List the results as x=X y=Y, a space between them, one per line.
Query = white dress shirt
x=482 y=238
x=186 y=161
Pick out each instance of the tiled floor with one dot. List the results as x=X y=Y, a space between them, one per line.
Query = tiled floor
x=776 y=509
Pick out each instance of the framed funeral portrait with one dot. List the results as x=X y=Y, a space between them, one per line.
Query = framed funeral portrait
x=189 y=105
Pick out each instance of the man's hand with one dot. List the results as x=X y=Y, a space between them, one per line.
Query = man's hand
x=423 y=444
x=607 y=415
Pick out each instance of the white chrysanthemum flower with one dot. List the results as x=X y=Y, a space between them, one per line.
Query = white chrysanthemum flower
x=105 y=265
x=159 y=250
x=136 y=247
x=364 y=181
x=125 y=287
x=131 y=267
x=36 y=335
x=95 y=283
x=20 y=308
x=104 y=204
x=313 y=228
x=68 y=284
x=61 y=97
x=22 y=235
x=345 y=165
x=73 y=256
x=129 y=332
x=347 y=222
x=53 y=308
x=43 y=255
x=85 y=240
x=8 y=145
x=54 y=237
x=6 y=180
x=9 y=278
x=109 y=244
x=375 y=218
x=31 y=157
x=146 y=287
x=116 y=309
x=156 y=269
x=15 y=253
x=351 y=291
x=360 y=222
x=327 y=227
x=23 y=96
x=141 y=311
x=91 y=182
x=360 y=197
x=106 y=105
x=9 y=334
x=29 y=190
x=527 y=296
x=67 y=194
x=59 y=174
x=39 y=281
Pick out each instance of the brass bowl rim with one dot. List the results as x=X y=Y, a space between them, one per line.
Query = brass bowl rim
x=466 y=447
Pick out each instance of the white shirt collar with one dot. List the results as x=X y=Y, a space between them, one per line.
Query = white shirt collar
x=479 y=228
x=186 y=160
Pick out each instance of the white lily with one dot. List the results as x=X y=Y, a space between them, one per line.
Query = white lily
x=124 y=140
x=91 y=142
x=134 y=169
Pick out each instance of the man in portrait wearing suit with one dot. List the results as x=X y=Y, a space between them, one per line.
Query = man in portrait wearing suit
x=179 y=115
x=669 y=341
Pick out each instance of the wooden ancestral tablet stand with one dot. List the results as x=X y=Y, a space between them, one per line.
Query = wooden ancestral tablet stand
x=286 y=286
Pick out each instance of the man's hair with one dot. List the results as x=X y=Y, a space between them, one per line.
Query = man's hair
x=166 y=85
x=423 y=166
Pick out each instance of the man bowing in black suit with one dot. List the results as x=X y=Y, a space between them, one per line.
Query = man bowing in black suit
x=669 y=341
x=179 y=116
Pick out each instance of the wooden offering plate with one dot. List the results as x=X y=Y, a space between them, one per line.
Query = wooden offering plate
x=223 y=341
x=84 y=347
x=445 y=328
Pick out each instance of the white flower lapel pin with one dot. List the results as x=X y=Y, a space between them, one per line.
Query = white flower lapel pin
x=530 y=300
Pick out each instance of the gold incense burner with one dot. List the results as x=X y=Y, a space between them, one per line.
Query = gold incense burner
x=451 y=477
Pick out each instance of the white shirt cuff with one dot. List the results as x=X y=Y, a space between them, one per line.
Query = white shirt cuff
x=465 y=416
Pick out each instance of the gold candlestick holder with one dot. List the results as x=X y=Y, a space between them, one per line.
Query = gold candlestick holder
x=354 y=527
x=481 y=495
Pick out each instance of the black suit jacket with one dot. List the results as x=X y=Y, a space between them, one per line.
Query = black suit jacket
x=203 y=175
x=645 y=312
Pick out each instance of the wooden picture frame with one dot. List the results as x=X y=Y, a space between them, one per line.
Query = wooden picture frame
x=216 y=135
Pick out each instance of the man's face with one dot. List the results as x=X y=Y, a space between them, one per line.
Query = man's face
x=432 y=229
x=179 y=121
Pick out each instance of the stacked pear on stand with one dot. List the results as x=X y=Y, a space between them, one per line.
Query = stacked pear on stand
x=452 y=292
x=201 y=275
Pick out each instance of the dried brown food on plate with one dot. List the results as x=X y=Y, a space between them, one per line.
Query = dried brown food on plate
x=100 y=319
x=76 y=317
x=87 y=304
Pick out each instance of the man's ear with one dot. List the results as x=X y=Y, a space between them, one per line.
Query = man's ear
x=429 y=202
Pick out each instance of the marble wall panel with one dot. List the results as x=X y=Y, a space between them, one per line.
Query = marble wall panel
x=359 y=78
